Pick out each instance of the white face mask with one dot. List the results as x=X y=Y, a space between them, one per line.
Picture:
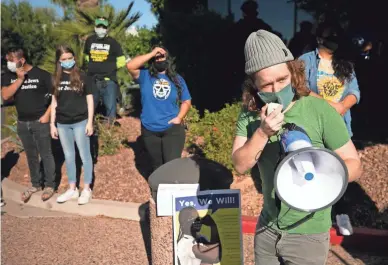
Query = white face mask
x=11 y=66
x=101 y=32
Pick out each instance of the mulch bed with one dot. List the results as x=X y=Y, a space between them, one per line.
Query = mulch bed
x=122 y=177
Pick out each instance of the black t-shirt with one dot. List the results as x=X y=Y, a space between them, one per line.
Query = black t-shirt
x=102 y=56
x=32 y=97
x=71 y=104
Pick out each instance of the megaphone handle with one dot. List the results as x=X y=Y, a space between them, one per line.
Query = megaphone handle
x=282 y=152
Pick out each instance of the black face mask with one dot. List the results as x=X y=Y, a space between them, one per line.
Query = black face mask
x=330 y=43
x=161 y=66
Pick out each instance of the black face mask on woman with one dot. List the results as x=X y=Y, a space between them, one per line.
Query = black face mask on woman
x=161 y=66
x=330 y=42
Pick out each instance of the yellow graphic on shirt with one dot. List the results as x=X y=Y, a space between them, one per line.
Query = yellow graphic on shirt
x=99 y=52
x=329 y=87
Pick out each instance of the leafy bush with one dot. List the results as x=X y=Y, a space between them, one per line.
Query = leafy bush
x=9 y=128
x=27 y=26
x=110 y=137
x=213 y=134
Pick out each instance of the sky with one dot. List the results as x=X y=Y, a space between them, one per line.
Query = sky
x=147 y=19
x=278 y=13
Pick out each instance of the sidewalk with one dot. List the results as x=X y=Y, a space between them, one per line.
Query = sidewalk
x=22 y=210
x=114 y=209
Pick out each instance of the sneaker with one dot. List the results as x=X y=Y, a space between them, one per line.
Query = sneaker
x=2 y=203
x=85 y=197
x=70 y=194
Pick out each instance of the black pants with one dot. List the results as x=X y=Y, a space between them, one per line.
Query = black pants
x=36 y=140
x=164 y=146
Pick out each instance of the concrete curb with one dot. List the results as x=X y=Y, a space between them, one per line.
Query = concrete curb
x=114 y=209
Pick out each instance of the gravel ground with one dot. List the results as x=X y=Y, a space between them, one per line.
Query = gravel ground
x=122 y=177
x=60 y=241
x=99 y=240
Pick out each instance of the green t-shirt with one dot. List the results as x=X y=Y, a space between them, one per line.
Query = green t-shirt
x=326 y=128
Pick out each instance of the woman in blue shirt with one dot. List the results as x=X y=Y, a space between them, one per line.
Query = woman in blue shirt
x=165 y=101
x=329 y=74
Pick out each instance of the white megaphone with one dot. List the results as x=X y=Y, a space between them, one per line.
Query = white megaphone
x=308 y=178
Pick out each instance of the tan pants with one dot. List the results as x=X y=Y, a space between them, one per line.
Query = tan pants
x=274 y=248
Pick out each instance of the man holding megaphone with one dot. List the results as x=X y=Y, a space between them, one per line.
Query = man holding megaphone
x=285 y=232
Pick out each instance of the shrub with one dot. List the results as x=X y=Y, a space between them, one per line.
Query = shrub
x=9 y=128
x=110 y=137
x=213 y=134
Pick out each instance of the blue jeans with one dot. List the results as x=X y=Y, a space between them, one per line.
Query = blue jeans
x=107 y=90
x=68 y=134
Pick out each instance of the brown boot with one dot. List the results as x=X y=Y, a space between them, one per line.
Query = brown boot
x=162 y=246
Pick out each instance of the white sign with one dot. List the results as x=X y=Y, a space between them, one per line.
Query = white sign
x=165 y=196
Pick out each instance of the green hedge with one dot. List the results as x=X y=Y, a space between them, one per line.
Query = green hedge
x=213 y=134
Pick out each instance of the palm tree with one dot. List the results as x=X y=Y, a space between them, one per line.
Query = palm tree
x=87 y=3
x=64 y=4
x=74 y=32
x=69 y=5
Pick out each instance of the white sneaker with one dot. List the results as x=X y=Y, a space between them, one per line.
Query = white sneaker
x=85 y=197
x=70 y=194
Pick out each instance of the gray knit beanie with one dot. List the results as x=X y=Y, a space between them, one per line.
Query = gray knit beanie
x=264 y=49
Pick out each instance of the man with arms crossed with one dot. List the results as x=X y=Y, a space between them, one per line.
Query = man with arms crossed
x=272 y=72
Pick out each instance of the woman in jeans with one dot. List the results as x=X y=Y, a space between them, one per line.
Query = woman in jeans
x=165 y=102
x=72 y=110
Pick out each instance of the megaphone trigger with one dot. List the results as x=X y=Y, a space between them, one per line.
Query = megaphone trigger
x=304 y=165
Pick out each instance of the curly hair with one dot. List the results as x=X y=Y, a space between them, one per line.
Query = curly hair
x=250 y=99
